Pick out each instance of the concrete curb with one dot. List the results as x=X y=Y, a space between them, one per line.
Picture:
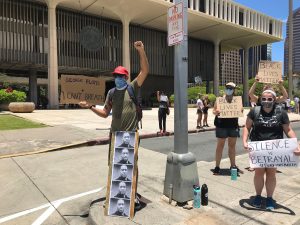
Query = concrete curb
x=105 y=140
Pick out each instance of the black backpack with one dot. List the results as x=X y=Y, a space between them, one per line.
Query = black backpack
x=138 y=106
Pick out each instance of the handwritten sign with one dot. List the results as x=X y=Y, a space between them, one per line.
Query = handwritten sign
x=270 y=72
x=273 y=153
x=76 y=88
x=175 y=24
x=232 y=109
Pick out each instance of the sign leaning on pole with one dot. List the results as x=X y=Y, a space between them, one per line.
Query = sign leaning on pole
x=270 y=72
x=175 y=24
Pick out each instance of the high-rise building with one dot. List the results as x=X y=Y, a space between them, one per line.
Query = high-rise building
x=296 y=43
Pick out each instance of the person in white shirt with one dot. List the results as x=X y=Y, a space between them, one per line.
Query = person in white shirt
x=199 y=112
x=163 y=110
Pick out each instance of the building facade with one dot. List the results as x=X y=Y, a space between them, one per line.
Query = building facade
x=47 y=38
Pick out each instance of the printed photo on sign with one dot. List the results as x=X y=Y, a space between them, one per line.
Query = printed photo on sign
x=122 y=172
x=125 y=139
x=120 y=189
x=119 y=207
x=273 y=153
x=124 y=156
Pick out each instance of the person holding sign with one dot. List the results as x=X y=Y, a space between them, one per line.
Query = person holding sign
x=266 y=122
x=124 y=113
x=163 y=110
x=254 y=99
x=226 y=128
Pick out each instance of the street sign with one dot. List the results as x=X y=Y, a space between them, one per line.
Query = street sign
x=175 y=24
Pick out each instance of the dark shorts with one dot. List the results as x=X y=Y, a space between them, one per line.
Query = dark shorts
x=205 y=109
x=227 y=132
x=199 y=111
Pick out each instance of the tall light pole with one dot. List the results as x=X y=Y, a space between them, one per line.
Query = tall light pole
x=181 y=170
x=290 y=47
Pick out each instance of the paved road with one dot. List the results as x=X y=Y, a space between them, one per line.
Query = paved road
x=201 y=144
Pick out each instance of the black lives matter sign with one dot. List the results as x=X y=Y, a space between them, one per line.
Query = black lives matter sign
x=76 y=88
x=270 y=72
x=231 y=109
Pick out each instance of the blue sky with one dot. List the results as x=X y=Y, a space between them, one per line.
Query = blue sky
x=277 y=9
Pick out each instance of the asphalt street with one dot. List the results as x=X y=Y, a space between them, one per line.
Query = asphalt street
x=202 y=144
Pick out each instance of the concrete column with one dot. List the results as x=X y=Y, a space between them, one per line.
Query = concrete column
x=245 y=78
x=52 y=57
x=255 y=21
x=216 y=67
x=197 y=5
x=245 y=18
x=229 y=12
x=233 y=13
x=211 y=8
x=206 y=6
x=252 y=19
x=217 y=8
x=225 y=10
x=248 y=18
x=126 y=46
x=221 y=9
x=237 y=14
x=33 y=86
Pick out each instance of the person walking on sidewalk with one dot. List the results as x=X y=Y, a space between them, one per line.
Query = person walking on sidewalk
x=124 y=116
x=205 y=110
x=163 y=110
x=200 y=107
x=266 y=122
x=226 y=128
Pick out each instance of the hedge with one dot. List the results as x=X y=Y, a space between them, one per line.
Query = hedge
x=14 y=96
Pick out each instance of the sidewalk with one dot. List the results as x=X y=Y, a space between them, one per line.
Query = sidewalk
x=71 y=128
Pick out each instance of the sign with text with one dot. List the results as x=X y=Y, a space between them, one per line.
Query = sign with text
x=273 y=153
x=175 y=24
x=270 y=72
x=230 y=110
x=76 y=88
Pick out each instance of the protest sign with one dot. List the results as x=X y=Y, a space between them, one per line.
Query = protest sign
x=270 y=72
x=273 y=153
x=232 y=109
x=122 y=177
x=76 y=88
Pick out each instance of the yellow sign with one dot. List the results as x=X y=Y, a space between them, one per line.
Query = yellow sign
x=270 y=72
x=230 y=110
x=76 y=88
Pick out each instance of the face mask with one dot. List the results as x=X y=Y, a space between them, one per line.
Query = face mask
x=267 y=104
x=228 y=91
x=120 y=83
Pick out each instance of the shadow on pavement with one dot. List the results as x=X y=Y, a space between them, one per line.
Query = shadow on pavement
x=246 y=204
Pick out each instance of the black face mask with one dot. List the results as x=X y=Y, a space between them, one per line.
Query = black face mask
x=267 y=104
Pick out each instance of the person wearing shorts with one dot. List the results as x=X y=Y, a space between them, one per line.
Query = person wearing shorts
x=266 y=122
x=226 y=128
x=205 y=110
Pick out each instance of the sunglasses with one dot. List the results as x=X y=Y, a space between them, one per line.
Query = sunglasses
x=267 y=99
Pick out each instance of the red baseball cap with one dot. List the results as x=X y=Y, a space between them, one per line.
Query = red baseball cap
x=121 y=70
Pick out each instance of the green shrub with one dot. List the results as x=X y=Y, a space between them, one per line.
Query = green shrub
x=14 y=96
x=211 y=98
x=172 y=98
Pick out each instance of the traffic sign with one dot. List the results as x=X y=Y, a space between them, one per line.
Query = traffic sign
x=175 y=24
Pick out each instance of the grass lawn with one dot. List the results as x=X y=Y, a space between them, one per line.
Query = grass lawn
x=9 y=122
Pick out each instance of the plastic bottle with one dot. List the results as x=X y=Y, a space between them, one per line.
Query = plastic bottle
x=233 y=173
x=204 y=195
x=197 y=198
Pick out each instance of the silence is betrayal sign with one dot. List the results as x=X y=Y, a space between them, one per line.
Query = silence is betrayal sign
x=270 y=72
x=273 y=153
x=76 y=88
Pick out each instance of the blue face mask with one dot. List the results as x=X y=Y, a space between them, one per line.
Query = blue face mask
x=228 y=91
x=120 y=83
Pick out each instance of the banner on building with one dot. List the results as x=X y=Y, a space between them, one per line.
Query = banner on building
x=273 y=153
x=270 y=72
x=76 y=88
x=230 y=110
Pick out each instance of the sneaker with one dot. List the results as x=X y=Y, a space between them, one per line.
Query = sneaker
x=216 y=170
x=198 y=127
x=257 y=201
x=270 y=203
x=137 y=203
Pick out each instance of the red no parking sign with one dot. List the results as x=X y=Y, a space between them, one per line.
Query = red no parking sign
x=175 y=24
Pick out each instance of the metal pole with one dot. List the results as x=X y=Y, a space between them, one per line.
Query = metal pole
x=290 y=46
x=181 y=169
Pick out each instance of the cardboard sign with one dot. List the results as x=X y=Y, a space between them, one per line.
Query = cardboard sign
x=121 y=183
x=270 y=72
x=273 y=153
x=232 y=109
x=76 y=88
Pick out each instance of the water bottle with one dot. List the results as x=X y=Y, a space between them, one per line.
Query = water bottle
x=204 y=195
x=197 y=199
x=233 y=173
